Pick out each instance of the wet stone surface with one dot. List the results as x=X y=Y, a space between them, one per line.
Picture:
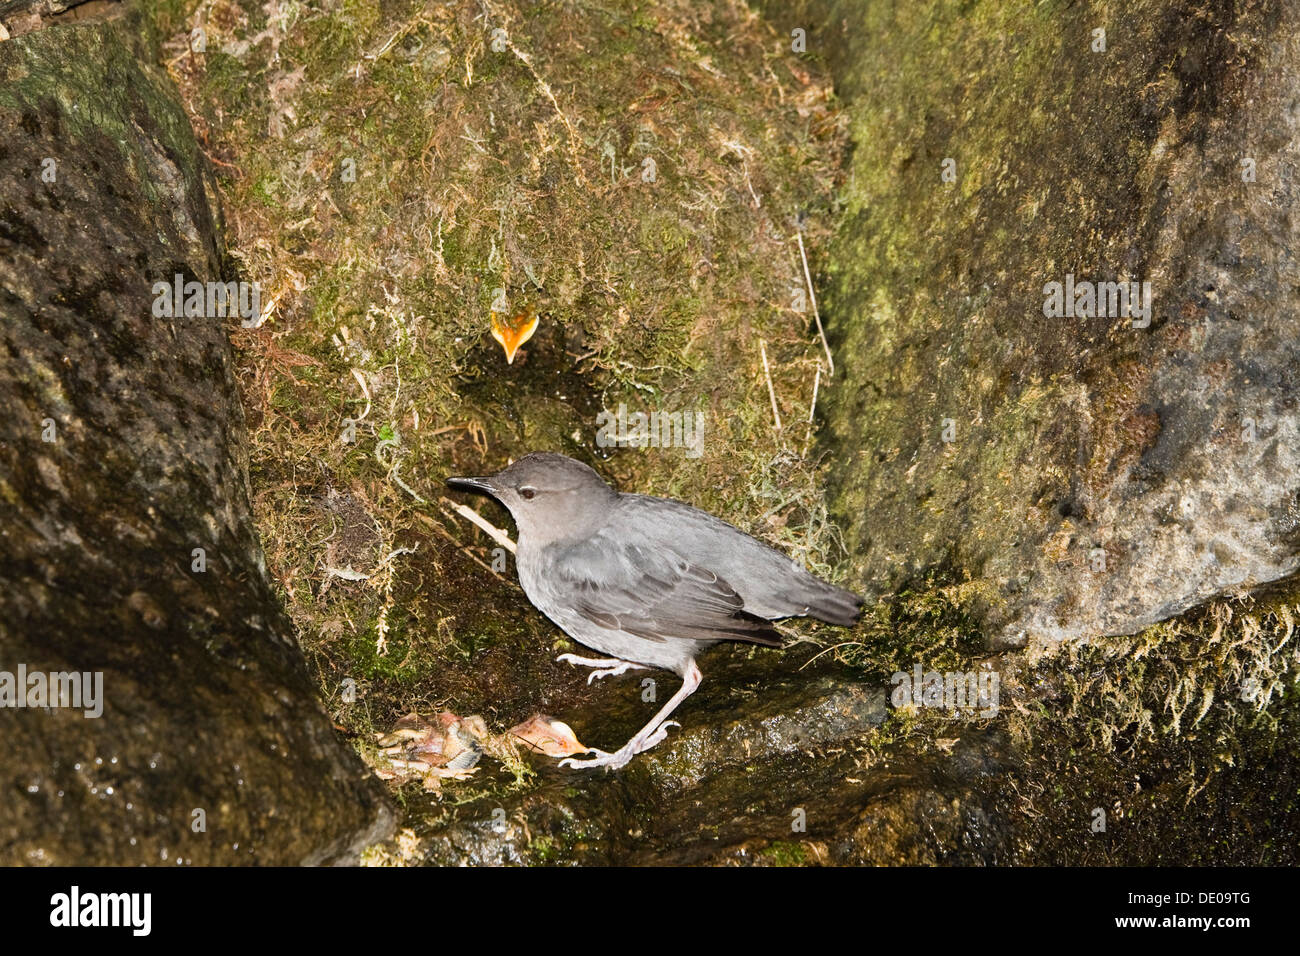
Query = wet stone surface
x=129 y=553
x=768 y=768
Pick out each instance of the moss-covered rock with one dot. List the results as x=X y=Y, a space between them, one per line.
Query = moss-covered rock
x=130 y=555
x=1087 y=476
x=765 y=763
x=636 y=173
x=387 y=168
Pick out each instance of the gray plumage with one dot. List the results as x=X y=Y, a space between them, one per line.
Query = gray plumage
x=648 y=581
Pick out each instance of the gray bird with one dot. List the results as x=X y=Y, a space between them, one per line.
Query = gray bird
x=648 y=581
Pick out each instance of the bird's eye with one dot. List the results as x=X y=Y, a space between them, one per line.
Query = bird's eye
x=527 y=493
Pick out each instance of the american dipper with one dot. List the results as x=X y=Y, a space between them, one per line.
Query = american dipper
x=648 y=581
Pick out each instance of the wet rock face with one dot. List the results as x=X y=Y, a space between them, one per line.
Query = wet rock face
x=769 y=768
x=120 y=444
x=1092 y=472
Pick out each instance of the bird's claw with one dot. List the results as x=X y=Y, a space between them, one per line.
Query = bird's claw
x=601 y=759
x=620 y=757
x=661 y=732
x=615 y=667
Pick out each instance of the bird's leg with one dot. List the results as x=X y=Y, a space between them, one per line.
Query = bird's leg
x=649 y=735
x=608 y=666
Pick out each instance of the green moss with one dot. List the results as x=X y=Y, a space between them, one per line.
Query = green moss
x=476 y=171
x=1179 y=733
x=543 y=848
x=784 y=853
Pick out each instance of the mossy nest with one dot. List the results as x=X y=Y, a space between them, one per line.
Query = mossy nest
x=394 y=173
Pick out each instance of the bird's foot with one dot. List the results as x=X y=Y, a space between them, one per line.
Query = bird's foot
x=661 y=732
x=614 y=761
x=619 y=758
x=606 y=666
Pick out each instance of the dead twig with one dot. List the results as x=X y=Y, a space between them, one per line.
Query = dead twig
x=472 y=516
x=771 y=391
x=812 y=296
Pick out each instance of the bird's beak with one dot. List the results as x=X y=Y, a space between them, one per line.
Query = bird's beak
x=473 y=484
x=513 y=331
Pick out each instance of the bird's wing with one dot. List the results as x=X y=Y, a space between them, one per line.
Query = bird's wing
x=653 y=593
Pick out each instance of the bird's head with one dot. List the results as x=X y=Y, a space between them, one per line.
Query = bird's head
x=551 y=497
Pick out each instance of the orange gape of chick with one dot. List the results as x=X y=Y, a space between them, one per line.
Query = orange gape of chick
x=513 y=331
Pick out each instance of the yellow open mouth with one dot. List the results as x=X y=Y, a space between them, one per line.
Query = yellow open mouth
x=514 y=331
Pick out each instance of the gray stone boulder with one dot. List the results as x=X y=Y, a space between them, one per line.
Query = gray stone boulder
x=127 y=549
x=1094 y=472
